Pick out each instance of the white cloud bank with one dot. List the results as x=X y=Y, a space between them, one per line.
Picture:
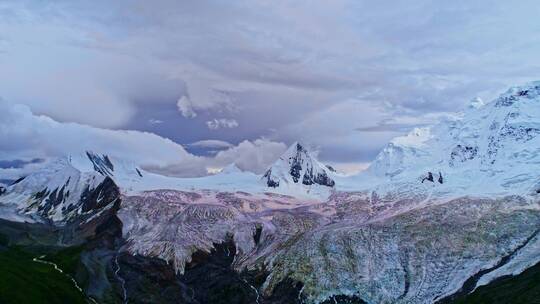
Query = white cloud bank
x=27 y=136
x=253 y=156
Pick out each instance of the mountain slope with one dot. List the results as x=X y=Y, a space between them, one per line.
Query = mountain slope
x=441 y=212
x=486 y=149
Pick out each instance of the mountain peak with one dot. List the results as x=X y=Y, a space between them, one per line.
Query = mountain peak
x=296 y=166
x=295 y=147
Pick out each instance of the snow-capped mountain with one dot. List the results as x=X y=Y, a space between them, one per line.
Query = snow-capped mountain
x=297 y=166
x=441 y=211
x=296 y=173
x=487 y=148
x=68 y=187
x=61 y=189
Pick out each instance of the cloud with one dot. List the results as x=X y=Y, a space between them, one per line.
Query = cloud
x=154 y=121
x=254 y=156
x=30 y=140
x=18 y=163
x=222 y=123
x=211 y=144
x=276 y=64
x=7 y=175
x=185 y=107
x=27 y=136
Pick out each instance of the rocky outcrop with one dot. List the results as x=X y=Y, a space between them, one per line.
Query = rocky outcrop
x=461 y=154
x=270 y=181
x=320 y=178
x=101 y=163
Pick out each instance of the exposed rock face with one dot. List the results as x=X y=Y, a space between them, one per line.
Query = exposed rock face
x=428 y=178
x=461 y=154
x=332 y=169
x=270 y=181
x=100 y=196
x=320 y=178
x=101 y=163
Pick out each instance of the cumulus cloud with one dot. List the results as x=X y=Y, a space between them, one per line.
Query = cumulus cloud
x=254 y=156
x=215 y=123
x=185 y=107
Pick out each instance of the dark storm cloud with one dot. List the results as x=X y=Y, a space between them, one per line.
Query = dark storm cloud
x=317 y=71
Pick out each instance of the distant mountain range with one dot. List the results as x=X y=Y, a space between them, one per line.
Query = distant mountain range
x=440 y=212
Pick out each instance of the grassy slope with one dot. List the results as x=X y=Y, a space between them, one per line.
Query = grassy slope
x=521 y=289
x=25 y=281
x=67 y=259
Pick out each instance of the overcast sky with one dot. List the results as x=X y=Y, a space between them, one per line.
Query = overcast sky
x=241 y=77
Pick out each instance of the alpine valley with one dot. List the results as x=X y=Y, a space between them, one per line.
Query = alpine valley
x=449 y=213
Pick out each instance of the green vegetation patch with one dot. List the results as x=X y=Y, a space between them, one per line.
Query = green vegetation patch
x=67 y=259
x=23 y=280
x=4 y=240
